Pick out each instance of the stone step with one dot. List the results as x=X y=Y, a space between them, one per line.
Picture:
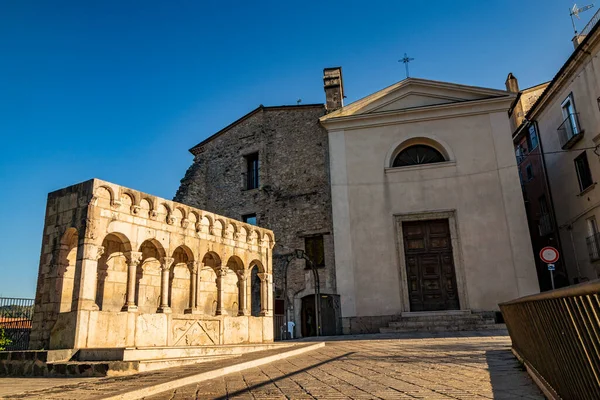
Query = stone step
x=157 y=353
x=405 y=322
x=437 y=313
x=120 y=368
x=444 y=328
x=470 y=317
x=153 y=365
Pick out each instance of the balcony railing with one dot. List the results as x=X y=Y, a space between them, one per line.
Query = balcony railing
x=593 y=245
x=570 y=132
x=556 y=335
x=545 y=225
x=593 y=21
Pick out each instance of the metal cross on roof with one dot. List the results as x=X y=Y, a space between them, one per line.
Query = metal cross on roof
x=406 y=60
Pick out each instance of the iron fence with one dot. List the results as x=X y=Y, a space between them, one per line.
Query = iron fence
x=557 y=335
x=279 y=327
x=593 y=21
x=593 y=245
x=570 y=132
x=15 y=320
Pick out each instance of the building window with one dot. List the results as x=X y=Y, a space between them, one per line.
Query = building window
x=418 y=154
x=249 y=219
x=314 y=249
x=584 y=175
x=533 y=138
x=569 y=113
x=592 y=226
x=529 y=172
x=251 y=171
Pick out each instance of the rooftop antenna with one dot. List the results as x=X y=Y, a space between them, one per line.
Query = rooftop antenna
x=575 y=12
x=406 y=60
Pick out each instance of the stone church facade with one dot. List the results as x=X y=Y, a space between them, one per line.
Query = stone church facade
x=271 y=168
x=427 y=207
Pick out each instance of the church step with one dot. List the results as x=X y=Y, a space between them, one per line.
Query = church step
x=155 y=353
x=441 y=322
x=436 y=313
x=444 y=328
x=428 y=318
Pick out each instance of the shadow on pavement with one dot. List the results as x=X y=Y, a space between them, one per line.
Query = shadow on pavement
x=508 y=378
x=258 y=385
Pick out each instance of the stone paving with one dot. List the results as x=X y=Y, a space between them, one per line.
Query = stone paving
x=473 y=367
x=459 y=365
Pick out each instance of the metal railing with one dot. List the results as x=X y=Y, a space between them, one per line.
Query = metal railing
x=570 y=132
x=557 y=336
x=279 y=327
x=593 y=245
x=593 y=21
x=15 y=320
x=545 y=225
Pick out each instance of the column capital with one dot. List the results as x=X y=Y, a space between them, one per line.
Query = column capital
x=92 y=252
x=243 y=274
x=264 y=276
x=134 y=257
x=193 y=266
x=166 y=262
x=222 y=271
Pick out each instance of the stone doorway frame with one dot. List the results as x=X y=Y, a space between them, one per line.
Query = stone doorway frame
x=459 y=268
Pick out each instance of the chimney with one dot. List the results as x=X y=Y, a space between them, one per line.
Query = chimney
x=334 y=88
x=577 y=39
x=512 y=84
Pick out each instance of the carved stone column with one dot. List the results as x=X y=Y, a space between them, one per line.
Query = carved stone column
x=133 y=260
x=164 y=288
x=243 y=298
x=87 y=280
x=193 y=308
x=266 y=294
x=221 y=275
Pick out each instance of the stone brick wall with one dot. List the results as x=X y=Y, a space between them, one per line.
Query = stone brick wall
x=294 y=196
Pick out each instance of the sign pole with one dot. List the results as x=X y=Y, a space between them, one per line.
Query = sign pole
x=550 y=255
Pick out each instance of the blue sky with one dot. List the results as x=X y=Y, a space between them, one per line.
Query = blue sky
x=120 y=90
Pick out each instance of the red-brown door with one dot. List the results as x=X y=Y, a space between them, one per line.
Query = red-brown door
x=430 y=265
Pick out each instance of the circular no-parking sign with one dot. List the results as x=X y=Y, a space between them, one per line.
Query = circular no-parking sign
x=549 y=255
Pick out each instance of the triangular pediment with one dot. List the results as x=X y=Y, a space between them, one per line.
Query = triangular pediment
x=414 y=94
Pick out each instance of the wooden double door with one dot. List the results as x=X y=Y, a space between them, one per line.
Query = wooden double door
x=430 y=265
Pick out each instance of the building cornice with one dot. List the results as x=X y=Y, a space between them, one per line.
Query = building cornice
x=427 y=113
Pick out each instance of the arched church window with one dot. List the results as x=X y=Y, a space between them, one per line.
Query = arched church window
x=418 y=154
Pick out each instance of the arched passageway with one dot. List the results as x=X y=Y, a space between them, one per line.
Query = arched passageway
x=207 y=283
x=180 y=280
x=67 y=260
x=112 y=273
x=149 y=277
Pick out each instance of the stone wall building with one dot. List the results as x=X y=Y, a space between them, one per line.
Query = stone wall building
x=120 y=268
x=271 y=168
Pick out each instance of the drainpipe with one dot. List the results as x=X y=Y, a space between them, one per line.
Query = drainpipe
x=570 y=229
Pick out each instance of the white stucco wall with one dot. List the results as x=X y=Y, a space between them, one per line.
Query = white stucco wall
x=480 y=184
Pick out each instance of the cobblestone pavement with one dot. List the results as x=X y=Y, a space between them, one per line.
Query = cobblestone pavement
x=476 y=367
